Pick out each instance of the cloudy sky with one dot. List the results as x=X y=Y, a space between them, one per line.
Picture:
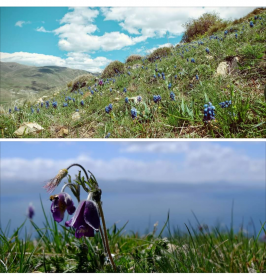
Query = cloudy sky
x=141 y=181
x=89 y=38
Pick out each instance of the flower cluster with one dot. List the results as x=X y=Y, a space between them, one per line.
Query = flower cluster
x=209 y=112
x=157 y=98
x=108 y=108
x=133 y=113
x=225 y=104
x=172 y=96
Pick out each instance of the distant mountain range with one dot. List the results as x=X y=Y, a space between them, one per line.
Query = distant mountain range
x=19 y=80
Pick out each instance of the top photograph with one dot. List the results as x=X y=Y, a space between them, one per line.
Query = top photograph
x=133 y=72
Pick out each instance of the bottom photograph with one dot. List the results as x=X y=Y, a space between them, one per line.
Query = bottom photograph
x=133 y=207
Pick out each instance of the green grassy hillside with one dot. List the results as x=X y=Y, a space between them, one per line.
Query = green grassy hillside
x=18 y=81
x=193 y=84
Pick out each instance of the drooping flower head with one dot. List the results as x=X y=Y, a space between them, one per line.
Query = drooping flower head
x=30 y=211
x=86 y=219
x=53 y=183
x=60 y=203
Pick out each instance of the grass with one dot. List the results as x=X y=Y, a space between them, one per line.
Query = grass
x=53 y=248
x=182 y=118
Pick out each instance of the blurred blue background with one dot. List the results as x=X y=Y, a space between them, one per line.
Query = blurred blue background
x=142 y=181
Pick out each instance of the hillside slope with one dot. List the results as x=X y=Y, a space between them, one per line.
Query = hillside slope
x=18 y=80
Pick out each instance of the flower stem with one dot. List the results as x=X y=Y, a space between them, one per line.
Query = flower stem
x=105 y=234
x=103 y=239
x=84 y=170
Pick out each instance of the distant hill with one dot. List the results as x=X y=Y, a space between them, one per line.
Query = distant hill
x=18 y=80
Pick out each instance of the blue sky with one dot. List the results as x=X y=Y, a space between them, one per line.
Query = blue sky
x=90 y=38
x=141 y=181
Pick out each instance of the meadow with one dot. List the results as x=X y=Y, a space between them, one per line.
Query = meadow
x=175 y=92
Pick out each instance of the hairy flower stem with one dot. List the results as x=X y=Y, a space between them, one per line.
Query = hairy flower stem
x=84 y=170
x=105 y=234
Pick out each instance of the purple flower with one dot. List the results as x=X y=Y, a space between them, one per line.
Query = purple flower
x=30 y=212
x=139 y=98
x=61 y=203
x=100 y=83
x=85 y=220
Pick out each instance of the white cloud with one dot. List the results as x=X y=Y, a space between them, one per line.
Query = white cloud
x=203 y=163
x=156 y=22
x=74 y=60
x=42 y=29
x=76 y=33
x=155 y=147
x=21 y=22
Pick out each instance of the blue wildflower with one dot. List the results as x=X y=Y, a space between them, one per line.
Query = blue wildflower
x=77 y=110
x=236 y=35
x=54 y=104
x=9 y=111
x=38 y=110
x=82 y=103
x=16 y=109
x=197 y=77
x=124 y=90
x=128 y=73
x=133 y=113
x=47 y=104
x=207 y=50
x=192 y=60
x=110 y=89
x=126 y=99
x=251 y=24
x=169 y=86
x=225 y=104
x=157 y=98
x=41 y=104
x=32 y=110
x=108 y=135
x=175 y=76
x=139 y=98
x=64 y=104
x=69 y=98
x=172 y=96
x=209 y=114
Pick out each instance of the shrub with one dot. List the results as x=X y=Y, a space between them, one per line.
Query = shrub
x=112 y=69
x=218 y=26
x=82 y=79
x=197 y=27
x=133 y=57
x=161 y=52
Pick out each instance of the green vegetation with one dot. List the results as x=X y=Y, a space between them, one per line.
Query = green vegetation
x=54 y=248
x=244 y=81
x=21 y=81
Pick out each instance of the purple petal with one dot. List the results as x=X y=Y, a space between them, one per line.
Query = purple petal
x=84 y=230
x=78 y=218
x=69 y=203
x=91 y=215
